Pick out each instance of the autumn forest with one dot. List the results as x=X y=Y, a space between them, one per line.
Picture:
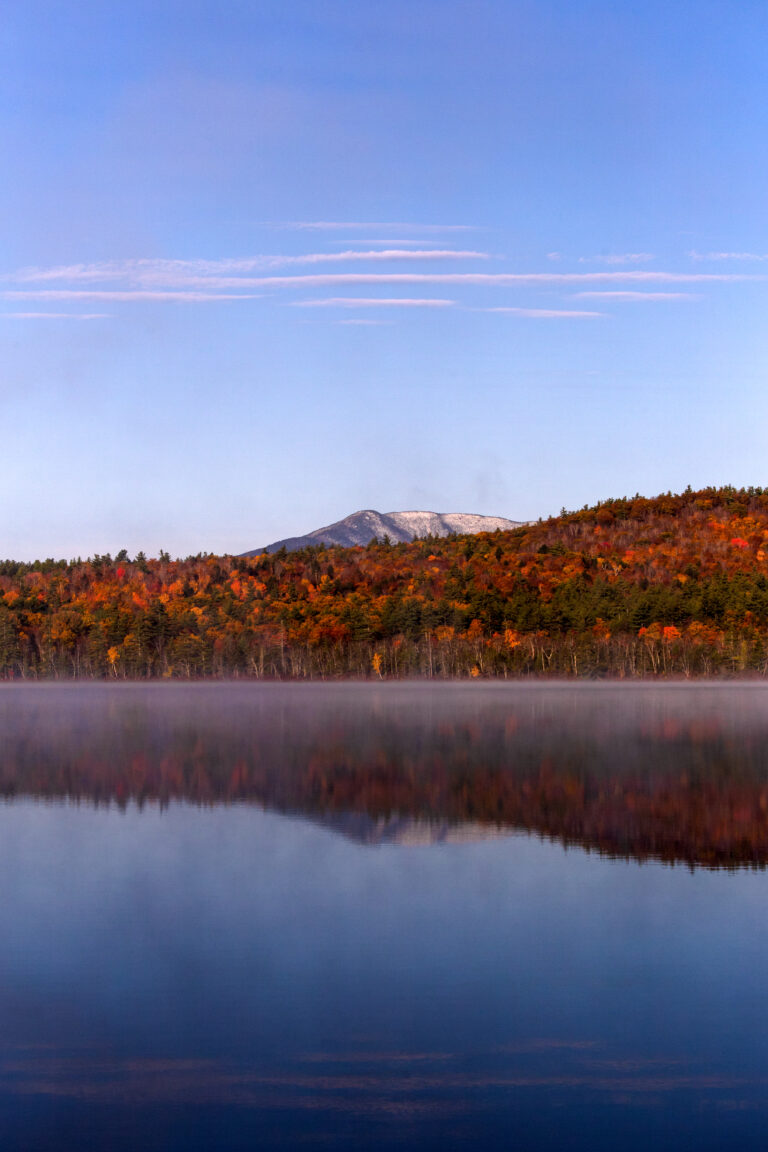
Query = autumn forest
x=676 y=585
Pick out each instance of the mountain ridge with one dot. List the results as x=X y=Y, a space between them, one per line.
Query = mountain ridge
x=359 y=528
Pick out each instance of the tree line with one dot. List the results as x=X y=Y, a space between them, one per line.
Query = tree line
x=675 y=585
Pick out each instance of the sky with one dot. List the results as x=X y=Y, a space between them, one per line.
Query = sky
x=264 y=263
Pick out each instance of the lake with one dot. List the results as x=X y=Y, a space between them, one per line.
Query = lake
x=412 y=915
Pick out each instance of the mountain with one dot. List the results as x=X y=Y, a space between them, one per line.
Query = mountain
x=400 y=527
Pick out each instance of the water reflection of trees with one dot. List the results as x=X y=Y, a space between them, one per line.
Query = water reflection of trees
x=657 y=786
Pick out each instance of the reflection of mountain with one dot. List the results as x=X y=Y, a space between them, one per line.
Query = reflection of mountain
x=409 y=831
x=670 y=774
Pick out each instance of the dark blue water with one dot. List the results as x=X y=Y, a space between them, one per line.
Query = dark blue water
x=251 y=948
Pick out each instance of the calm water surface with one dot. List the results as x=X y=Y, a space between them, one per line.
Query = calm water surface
x=383 y=916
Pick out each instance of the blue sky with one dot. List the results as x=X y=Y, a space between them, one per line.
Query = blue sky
x=264 y=264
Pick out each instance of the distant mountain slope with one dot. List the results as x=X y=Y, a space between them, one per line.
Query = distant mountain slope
x=362 y=527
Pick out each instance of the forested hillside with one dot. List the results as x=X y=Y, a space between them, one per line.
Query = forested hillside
x=675 y=585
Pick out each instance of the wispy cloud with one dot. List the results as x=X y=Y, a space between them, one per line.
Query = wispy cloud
x=754 y=256
x=356 y=322
x=117 y=295
x=427 y=278
x=203 y=281
x=545 y=313
x=374 y=254
x=380 y=226
x=618 y=258
x=178 y=273
x=387 y=241
x=489 y=279
x=373 y=302
x=629 y=295
x=55 y=315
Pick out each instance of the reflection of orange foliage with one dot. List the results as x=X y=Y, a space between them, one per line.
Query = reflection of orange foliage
x=678 y=787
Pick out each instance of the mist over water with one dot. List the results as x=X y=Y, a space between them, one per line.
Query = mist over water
x=383 y=916
x=679 y=771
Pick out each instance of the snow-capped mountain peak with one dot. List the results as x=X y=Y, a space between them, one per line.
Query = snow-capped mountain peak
x=361 y=527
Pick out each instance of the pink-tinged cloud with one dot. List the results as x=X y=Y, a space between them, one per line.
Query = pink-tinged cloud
x=635 y=296
x=373 y=302
x=380 y=254
x=106 y=294
x=388 y=241
x=618 y=258
x=490 y=279
x=180 y=273
x=758 y=256
x=219 y=276
x=171 y=284
x=359 y=323
x=55 y=315
x=546 y=313
x=382 y=225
